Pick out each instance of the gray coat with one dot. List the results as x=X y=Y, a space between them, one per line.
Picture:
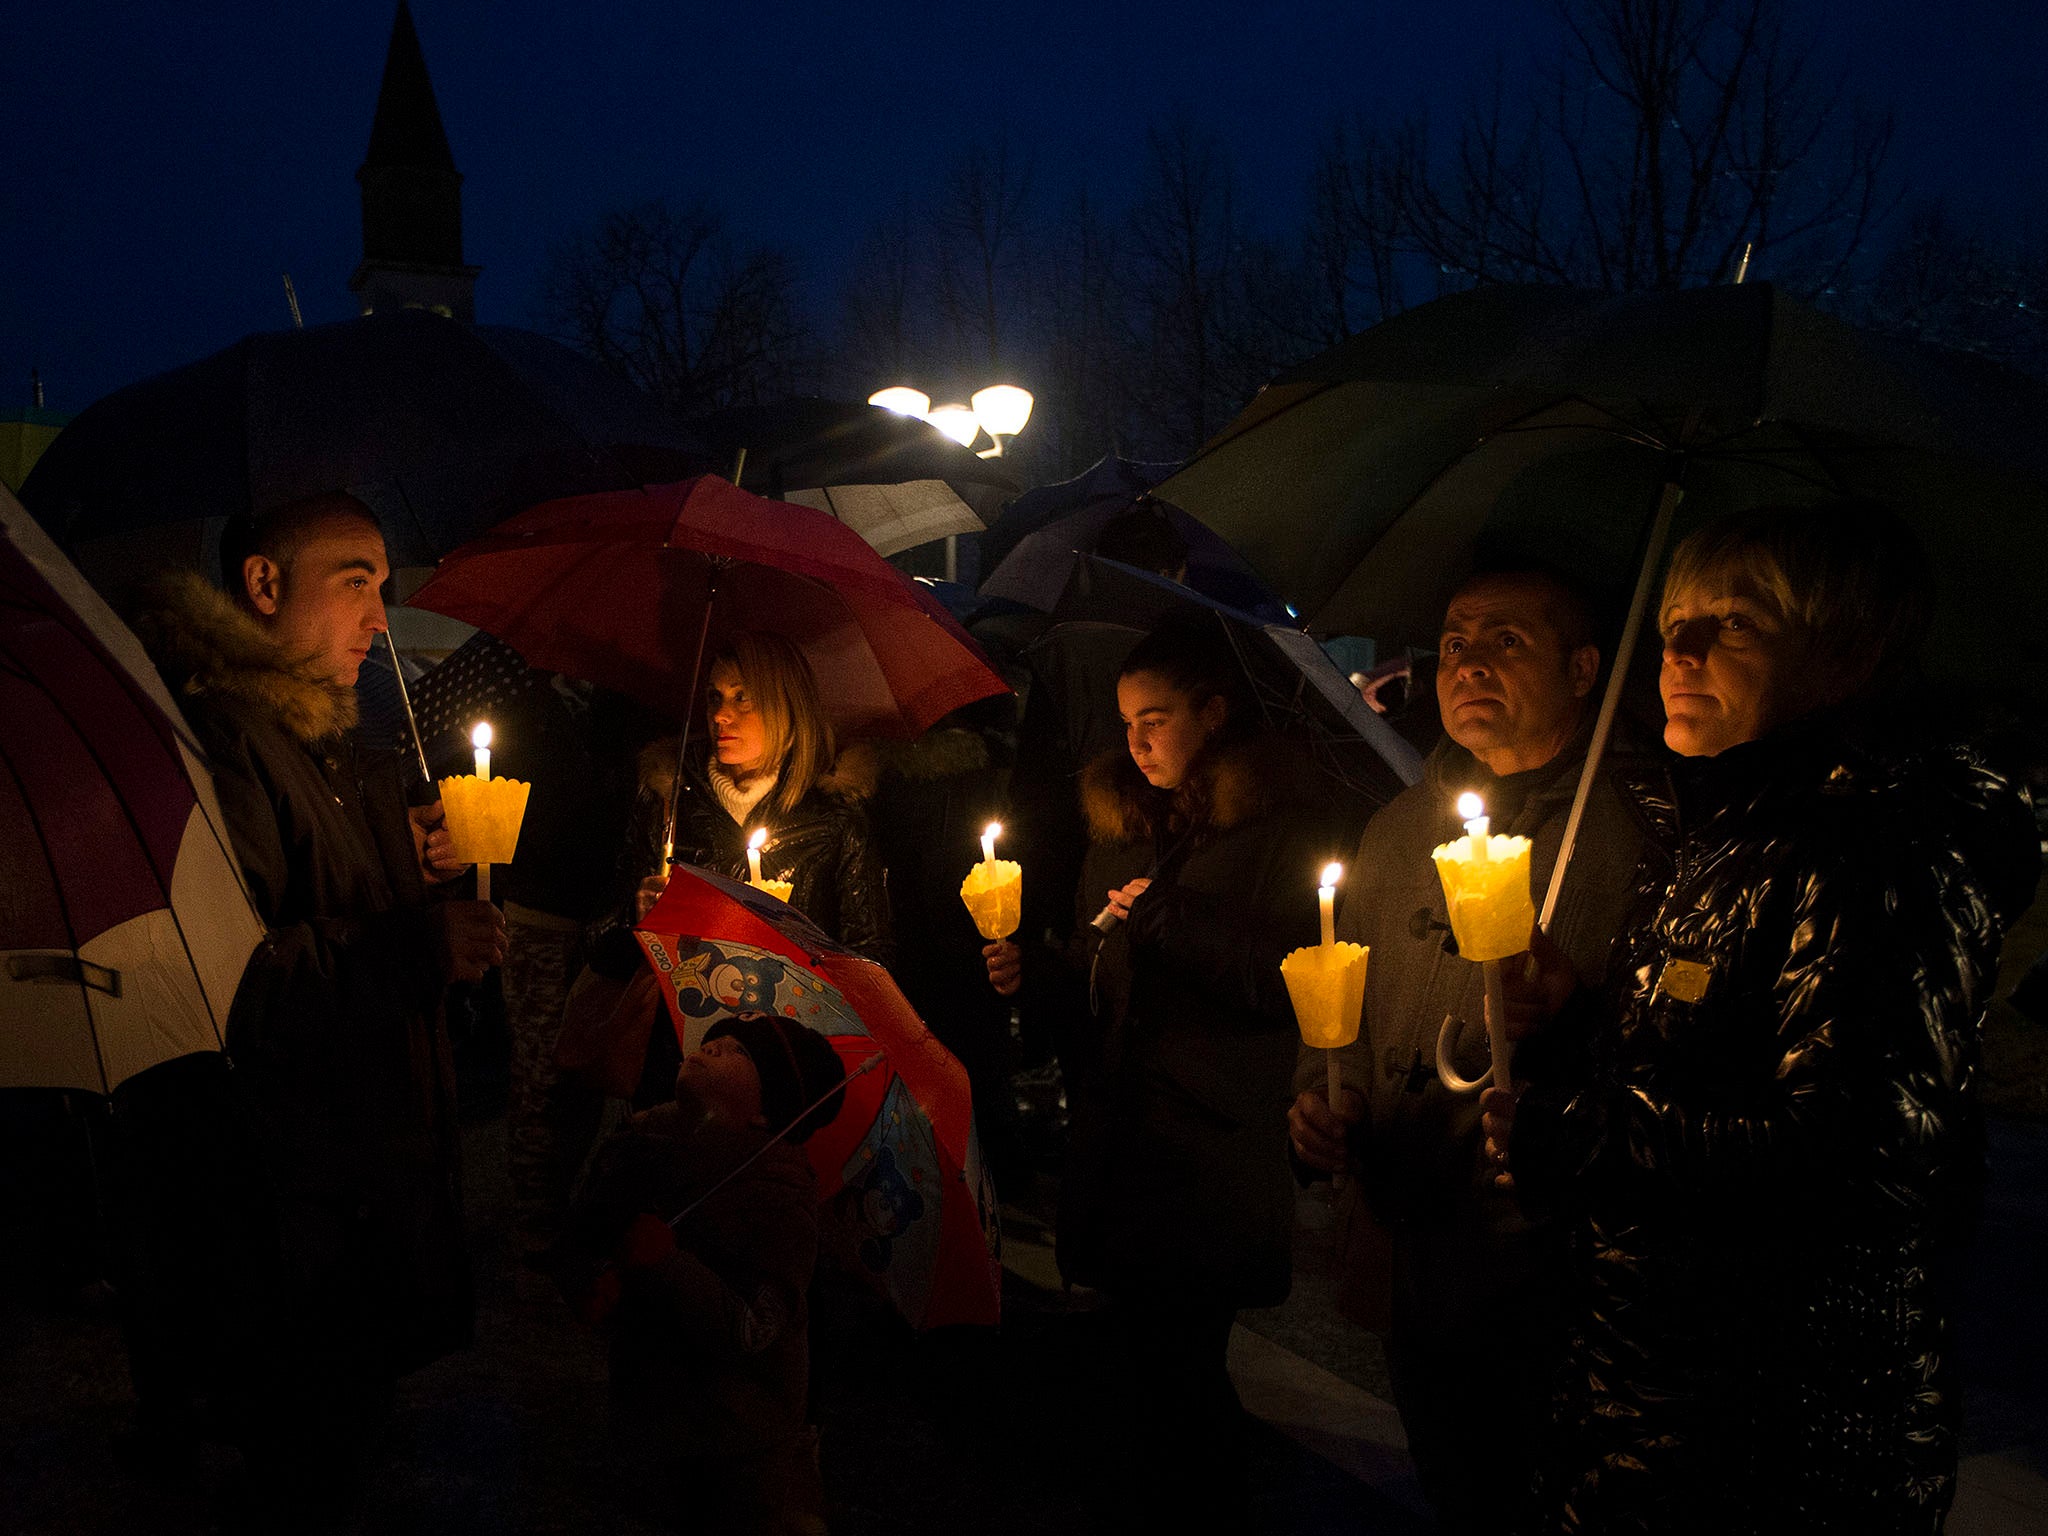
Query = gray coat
x=1419 y=1153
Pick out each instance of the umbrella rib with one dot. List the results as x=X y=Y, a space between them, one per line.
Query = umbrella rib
x=70 y=927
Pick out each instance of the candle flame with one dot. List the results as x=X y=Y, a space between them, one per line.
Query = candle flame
x=992 y=831
x=1470 y=807
x=1332 y=873
x=759 y=840
x=480 y=738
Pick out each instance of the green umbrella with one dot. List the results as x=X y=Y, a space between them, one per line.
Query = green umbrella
x=1585 y=428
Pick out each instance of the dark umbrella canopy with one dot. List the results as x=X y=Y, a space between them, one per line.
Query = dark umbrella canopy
x=1111 y=483
x=1544 y=421
x=896 y=481
x=442 y=428
x=1030 y=551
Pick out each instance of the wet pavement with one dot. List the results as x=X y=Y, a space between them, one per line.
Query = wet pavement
x=956 y=1432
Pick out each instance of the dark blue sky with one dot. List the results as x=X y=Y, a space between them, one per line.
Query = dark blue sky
x=165 y=162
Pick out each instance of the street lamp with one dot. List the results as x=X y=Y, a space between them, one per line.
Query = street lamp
x=1002 y=410
x=999 y=410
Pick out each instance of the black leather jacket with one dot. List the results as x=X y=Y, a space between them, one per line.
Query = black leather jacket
x=1770 y=1144
x=822 y=846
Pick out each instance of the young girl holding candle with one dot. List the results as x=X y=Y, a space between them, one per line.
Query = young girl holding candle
x=1769 y=1141
x=1177 y=1201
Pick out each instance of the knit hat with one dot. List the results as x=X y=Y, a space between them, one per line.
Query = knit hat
x=797 y=1067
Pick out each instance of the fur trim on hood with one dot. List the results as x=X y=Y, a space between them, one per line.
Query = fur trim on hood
x=854 y=775
x=205 y=645
x=1235 y=784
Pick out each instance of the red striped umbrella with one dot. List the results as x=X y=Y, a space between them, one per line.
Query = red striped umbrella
x=124 y=924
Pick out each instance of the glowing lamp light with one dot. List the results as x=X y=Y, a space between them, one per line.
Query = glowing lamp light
x=956 y=421
x=480 y=738
x=1002 y=409
x=754 y=846
x=903 y=400
x=994 y=889
x=989 y=834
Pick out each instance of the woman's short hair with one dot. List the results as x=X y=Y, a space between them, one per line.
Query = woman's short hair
x=798 y=738
x=1850 y=574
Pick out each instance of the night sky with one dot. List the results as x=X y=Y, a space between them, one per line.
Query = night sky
x=164 y=163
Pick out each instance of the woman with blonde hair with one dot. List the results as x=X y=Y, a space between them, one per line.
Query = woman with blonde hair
x=768 y=763
x=1765 y=1134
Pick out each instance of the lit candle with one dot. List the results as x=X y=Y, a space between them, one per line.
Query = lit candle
x=480 y=738
x=754 y=846
x=1326 y=895
x=989 y=834
x=1472 y=811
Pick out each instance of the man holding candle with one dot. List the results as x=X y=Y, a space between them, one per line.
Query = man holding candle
x=352 y=1268
x=1433 y=1254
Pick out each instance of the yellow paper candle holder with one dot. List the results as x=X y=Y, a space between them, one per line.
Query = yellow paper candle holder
x=484 y=816
x=994 y=893
x=779 y=889
x=1487 y=893
x=1326 y=984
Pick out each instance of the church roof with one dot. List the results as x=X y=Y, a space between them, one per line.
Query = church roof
x=407 y=131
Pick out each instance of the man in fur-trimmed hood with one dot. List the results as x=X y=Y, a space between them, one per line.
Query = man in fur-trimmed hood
x=342 y=1081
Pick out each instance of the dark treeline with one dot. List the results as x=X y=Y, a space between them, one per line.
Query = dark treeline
x=1663 y=141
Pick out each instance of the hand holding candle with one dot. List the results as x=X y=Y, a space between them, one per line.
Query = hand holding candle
x=484 y=814
x=994 y=889
x=1486 y=888
x=1326 y=984
x=779 y=889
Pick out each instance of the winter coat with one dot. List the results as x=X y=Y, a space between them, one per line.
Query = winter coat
x=1423 y=1173
x=342 y=1067
x=710 y=1350
x=1770 y=1144
x=1177 y=1173
x=821 y=846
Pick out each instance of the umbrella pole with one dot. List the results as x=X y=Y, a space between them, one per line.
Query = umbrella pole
x=675 y=792
x=405 y=698
x=1610 y=702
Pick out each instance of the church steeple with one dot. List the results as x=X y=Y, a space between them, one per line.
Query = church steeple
x=412 y=195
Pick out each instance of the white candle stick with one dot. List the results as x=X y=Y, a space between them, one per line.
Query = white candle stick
x=1326 y=898
x=480 y=738
x=989 y=834
x=754 y=846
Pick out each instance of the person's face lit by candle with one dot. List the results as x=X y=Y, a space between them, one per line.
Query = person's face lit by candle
x=1729 y=672
x=1511 y=686
x=739 y=736
x=1164 y=727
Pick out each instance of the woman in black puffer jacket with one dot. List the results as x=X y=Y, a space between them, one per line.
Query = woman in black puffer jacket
x=1770 y=1140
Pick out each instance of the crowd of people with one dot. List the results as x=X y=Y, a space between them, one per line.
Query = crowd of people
x=1687 y=1266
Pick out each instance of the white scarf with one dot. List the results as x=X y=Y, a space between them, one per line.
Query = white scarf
x=739 y=802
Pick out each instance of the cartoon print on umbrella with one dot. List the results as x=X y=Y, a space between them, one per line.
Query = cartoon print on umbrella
x=912 y=1210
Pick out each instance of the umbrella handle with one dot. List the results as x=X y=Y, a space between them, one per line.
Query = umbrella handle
x=1496 y=1038
x=405 y=698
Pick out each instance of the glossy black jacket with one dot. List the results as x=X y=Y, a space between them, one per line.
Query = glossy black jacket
x=1770 y=1145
